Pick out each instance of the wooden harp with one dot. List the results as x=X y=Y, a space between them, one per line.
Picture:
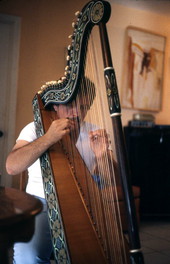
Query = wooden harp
x=83 y=202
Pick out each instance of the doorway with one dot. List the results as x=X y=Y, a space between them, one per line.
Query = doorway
x=9 y=54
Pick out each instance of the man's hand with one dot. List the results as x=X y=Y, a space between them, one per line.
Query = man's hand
x=58 y=129
x=99 y=142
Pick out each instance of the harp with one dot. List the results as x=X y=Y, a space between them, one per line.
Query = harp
x=82 y=188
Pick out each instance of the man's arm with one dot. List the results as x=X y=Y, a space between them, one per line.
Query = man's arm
x=25 y=153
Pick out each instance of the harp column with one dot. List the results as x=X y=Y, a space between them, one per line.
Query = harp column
x=115 y=113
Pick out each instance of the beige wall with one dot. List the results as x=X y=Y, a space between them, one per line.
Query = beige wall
x=120 y=19
x=45 y=27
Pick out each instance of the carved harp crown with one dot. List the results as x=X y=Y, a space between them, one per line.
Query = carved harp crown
x=65 y=89
x=85 y=193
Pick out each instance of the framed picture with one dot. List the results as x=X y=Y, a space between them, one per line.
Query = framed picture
x=143 y=73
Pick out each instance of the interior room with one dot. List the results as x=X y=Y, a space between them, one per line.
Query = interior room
x=34 y=40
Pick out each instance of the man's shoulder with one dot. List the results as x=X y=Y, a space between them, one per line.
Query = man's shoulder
x=28 y=132
x=30 y=125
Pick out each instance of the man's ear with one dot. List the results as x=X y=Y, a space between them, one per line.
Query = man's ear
x=55 y=107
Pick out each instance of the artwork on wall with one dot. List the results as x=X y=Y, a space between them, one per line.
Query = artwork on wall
x=143 y=73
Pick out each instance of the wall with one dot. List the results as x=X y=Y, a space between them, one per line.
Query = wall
x=45 y=27
x=44 y=35
x=159 y=24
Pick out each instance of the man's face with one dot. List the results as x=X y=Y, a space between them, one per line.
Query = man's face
x=76 y=111
x=66 y=111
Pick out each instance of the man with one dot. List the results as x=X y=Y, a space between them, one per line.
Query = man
x=25 y=155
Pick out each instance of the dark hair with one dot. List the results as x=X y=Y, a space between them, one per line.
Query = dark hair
x=87 y=88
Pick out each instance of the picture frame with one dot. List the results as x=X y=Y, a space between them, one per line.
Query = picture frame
x=143 y=72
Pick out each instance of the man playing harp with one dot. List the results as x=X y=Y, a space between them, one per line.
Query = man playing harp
x=69 y=120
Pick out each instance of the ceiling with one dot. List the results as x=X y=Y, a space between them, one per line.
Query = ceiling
x=157 y=6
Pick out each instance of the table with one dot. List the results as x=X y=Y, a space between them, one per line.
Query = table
x=17 y=218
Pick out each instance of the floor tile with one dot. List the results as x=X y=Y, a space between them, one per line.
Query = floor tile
x=155 y=241
x=156 y=258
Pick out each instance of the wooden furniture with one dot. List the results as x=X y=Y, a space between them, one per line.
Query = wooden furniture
x=23 y=179
x=17 y=217
x=149 y=152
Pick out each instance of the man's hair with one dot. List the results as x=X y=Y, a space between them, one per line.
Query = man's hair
x=87 y=88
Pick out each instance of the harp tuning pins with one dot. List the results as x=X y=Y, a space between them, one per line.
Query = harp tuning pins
x=71 y=37
x=69 y=47
x=73 y=25
x=63 y=78
x=51 y=83
x=68 y=58
x=67 y=74
x=78 y=14
x=43 y=87
x=67 y=68
x=69 y=50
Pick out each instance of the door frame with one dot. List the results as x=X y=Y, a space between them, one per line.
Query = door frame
x=8 y=138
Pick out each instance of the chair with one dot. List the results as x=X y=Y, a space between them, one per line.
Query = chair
x=23 y=179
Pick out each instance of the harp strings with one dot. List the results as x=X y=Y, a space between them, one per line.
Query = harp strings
x=109 y=194
x=101 y=185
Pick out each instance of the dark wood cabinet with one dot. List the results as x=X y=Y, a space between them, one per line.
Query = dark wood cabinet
x=149 y=157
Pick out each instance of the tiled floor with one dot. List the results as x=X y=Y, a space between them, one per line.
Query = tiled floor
x=155 y=241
